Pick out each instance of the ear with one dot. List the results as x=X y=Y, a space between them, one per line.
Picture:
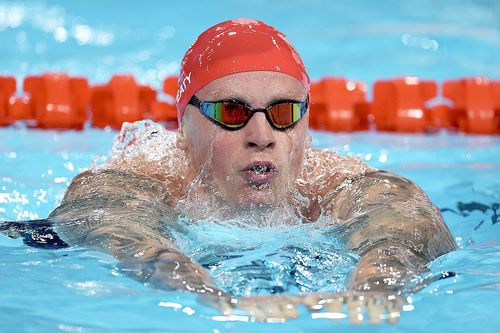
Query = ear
x=308 y=139
x=181 y=142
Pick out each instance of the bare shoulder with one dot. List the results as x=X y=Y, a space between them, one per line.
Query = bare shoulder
x=324 y=173
x=149 y=150
x=317 y=162
x=377 y=188
x=144 y=162
x=115 y=183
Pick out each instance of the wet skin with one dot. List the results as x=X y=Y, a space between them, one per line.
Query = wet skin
x=127 y=209
x=231 y=156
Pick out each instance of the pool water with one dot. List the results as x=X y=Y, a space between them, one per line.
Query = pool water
x=359 y=39
x=79 y=290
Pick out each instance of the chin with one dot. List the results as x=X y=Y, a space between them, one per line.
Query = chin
x=251 y=196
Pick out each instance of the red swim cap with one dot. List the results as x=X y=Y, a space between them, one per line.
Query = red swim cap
x=235 y=46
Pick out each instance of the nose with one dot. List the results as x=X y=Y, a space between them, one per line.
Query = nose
x=259 y=134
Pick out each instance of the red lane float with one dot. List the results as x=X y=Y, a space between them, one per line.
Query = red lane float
x=121 y=100
x=338 y=105
x=19 y=108
x=7 y=90
x=57 y=100
x=442 y=116
x=399 y=104
x=475 y=103
x=163 y=111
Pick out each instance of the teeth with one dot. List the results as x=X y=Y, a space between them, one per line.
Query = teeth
x=259 y=168
x=260 y=187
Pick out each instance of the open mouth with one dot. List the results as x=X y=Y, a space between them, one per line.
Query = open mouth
x=259 y=174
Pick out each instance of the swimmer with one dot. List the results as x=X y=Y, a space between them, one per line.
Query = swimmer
x=243 y=105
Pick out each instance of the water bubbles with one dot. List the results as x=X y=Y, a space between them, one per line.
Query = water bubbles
x=188 y=310
x=23 y=214
x=167 y=32
x=98 y=161
x=59 y=180
x=13 y=197
x=85 y=34
x=146 y=147
x=142 y=138
x=419 y=42
x=82 y=34
x=321 y=166
x=60 y=34
x=246 y=260
x=40 y=196
x=383 y=156
x=11 y=16
x=170 y=305
x=69 y=166
x=104 y=38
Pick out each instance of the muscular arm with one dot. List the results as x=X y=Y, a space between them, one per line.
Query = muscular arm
x=121 y=213
x=391 y=223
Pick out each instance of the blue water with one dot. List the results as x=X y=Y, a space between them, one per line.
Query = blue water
x=361 y=40
x=78 y=290
x=81 y=290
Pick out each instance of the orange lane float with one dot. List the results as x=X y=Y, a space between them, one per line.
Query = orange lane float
x=19 y=108
x=399 y=104
x=57 y=100
x=120 y=100
x=7 y=90
x=476 y=104
x=338 y=105
x=442 y=116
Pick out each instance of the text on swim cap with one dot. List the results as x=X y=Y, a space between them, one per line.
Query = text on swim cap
x=182 y=86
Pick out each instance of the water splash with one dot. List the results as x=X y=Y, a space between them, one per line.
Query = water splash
x=247 y=260
x=147 y=148
x=258 y=249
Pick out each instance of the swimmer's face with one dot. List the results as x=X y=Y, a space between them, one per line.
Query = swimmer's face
x=255 y=164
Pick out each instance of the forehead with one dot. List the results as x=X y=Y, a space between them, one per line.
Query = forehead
x=255 y=88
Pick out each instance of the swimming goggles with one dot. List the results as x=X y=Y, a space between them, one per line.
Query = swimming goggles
x=234 y=114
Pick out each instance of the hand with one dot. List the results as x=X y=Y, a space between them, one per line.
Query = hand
x=377 y=305
x=172 y=271
x=335 y=306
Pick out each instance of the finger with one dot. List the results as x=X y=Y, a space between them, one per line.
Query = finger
x=221 y=303
x=356 y=308
x=252 y=309
x=226 y=308
x=289 y=309
x=394 y=306
x=312 y=302
x=272 y=311
x=334 y=306
x=376 y=306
